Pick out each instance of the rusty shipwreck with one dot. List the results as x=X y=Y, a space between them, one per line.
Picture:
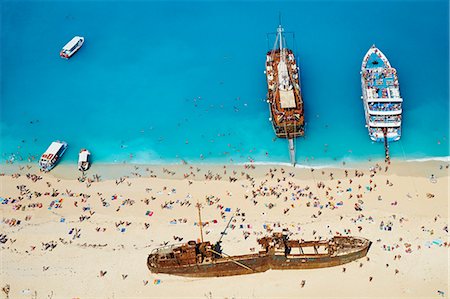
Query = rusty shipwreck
x=202 y=259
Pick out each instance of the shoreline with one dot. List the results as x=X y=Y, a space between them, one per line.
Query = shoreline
x=306 y=162
x=110 y=171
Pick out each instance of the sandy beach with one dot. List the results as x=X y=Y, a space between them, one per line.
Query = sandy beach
x=67 y=236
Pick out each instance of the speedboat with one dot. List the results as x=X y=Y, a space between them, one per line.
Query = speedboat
x=71 y=47
x=83 y=160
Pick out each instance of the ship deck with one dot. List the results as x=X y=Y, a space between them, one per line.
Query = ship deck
x=286 y=106
x=375 y=61
x=380 y=80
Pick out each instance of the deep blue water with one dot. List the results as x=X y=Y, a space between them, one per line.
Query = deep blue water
x=166 y=81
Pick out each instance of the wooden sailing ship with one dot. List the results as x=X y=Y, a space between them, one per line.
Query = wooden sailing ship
x=202 y=259
x=284 y=93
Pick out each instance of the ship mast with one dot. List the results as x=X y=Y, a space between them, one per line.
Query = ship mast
x=280 y=34
x=282 y=52
x=291 y=145
x=280 y=31
x=199 y=206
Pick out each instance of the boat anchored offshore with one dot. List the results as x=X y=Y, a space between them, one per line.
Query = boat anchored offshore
x=83 y=160
x=284 y=93
x=52 y=155
x=201 y=259
x=71 y=47
x=381 y=97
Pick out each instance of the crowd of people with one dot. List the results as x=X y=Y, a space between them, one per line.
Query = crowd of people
x=253 y=199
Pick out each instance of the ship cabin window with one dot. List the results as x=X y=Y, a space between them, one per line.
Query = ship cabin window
x=59 y=152
x=389 y=118
x=73 y=48
x=385 y=106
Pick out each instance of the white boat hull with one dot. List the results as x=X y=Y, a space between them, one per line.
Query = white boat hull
x=83 y=160
x=46 y=165
x=67 y=53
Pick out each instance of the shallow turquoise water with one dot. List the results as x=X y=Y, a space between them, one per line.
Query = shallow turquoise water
x=163 y=81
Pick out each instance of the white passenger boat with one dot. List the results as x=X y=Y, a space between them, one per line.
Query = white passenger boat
x=71 y=47
x=52 y=155
x=83 y=160
x=381 y=97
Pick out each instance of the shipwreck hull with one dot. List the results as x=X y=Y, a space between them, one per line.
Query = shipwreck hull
x=217 y=268
x=259 y=263
x=280 y=262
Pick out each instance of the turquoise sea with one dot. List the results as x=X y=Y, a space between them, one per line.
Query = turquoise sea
x=157 y=82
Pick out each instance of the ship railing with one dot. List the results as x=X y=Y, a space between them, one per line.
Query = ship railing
x=385 y=124
x=385 y=112
x=379 y=130
x=395 y=100
x=307 y=255
x=292 y=243
x=385 y=118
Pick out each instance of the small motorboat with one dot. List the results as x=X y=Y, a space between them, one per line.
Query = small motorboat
x=83 y=160
x=71 y=47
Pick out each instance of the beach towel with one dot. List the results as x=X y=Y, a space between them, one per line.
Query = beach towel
x=227 y=210
x=437 y=242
